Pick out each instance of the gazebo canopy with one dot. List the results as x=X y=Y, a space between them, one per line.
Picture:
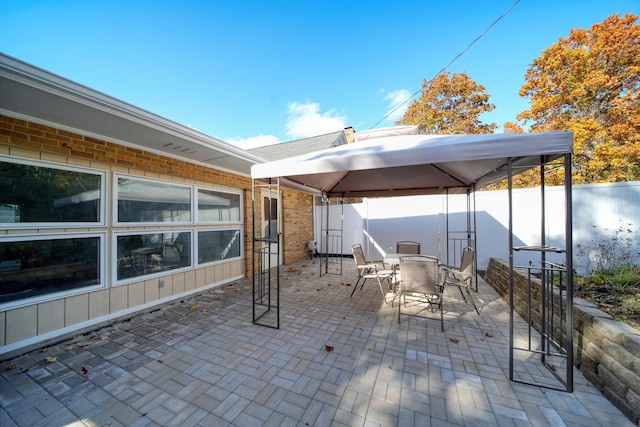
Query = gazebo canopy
x=415 y=164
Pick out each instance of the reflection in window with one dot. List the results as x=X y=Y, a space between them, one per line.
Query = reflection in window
x=37 y=267
x=217 y=245
x=152 y=201
x=217 y=206
x=143 y=254
x=40 y=194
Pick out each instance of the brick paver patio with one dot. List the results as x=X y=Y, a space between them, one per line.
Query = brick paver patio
x=201 y=362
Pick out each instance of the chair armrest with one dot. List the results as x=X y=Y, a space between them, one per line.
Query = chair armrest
x=379 y=262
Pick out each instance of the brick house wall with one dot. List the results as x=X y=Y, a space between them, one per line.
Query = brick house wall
x=297 y=212
x=25 y=139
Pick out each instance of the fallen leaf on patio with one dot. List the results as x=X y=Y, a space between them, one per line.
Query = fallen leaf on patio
x=552 y=367
x=488 y=334
x=51 y=359
x=84 y=344
x=23 y=370
x=390 y=367
x=44 y=350
x=85 y=372
x=128 y=330
x=104 y=337
x=193 y=308
x=328 y=347
x=216 y=299
x=30 y=382
x=293 y=270
x=454 y=340
x=159 y=361
x=69 y=347
x=10 y=367
x=170 y=333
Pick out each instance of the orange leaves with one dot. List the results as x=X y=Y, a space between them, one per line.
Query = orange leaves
x=589 y=83
x=450 y=103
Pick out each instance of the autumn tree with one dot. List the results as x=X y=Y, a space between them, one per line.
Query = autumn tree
x=524 y=179
x=450 y=104
x=589 y=83
x=511 y=127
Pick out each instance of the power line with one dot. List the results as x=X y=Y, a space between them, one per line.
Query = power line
x=450 y=62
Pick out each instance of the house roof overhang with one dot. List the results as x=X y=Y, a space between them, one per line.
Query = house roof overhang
x=33 y=94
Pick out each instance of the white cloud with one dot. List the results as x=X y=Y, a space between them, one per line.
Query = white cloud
x=305 y=120
x=254 y=141
x=395 y=107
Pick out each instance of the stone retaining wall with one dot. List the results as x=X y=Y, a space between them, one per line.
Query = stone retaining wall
x=607 y=352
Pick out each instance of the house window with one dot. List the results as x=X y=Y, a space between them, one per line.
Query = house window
x=40 y=194
x=218 y=245
x=218 y=206
x=143 y=254
x=159 y=206
x=36 y=266
x=149 y=201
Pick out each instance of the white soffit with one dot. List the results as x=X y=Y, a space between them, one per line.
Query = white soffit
x=32 y=93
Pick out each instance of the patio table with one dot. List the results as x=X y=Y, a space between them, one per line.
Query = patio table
x=393 y=259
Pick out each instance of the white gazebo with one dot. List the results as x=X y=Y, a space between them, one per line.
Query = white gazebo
x=396 y=162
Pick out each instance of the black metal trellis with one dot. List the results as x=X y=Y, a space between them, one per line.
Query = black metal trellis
x=266 y=250
x=548 y=307
x=331 y=238
x=457 y=240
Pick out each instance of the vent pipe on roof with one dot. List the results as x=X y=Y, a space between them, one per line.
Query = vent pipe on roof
x=348 y=133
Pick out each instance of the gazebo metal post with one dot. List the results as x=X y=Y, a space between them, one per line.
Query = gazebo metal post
x=569 y=268
x=511 y=281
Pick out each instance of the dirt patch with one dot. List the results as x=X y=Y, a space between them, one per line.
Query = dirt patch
x=622 y=302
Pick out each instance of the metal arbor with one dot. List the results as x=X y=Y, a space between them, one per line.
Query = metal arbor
x=548 y=306
x=266 y=254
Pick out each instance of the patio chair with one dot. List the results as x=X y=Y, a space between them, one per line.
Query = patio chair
x=420 y=281
x=370 y=270
x=408 y=247
x=461 y=276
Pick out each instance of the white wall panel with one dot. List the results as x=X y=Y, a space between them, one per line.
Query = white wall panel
x=598 y=210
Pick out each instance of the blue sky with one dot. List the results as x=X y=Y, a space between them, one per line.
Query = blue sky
x=255 y=72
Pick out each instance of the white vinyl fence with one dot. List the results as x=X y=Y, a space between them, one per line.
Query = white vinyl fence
x=599 y=210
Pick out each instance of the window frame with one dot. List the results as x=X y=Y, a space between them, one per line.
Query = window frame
x=114 y=255
x=115 y=202
x=102 y=210
x=218 y=190
x=39 y=299
x=197 y=263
